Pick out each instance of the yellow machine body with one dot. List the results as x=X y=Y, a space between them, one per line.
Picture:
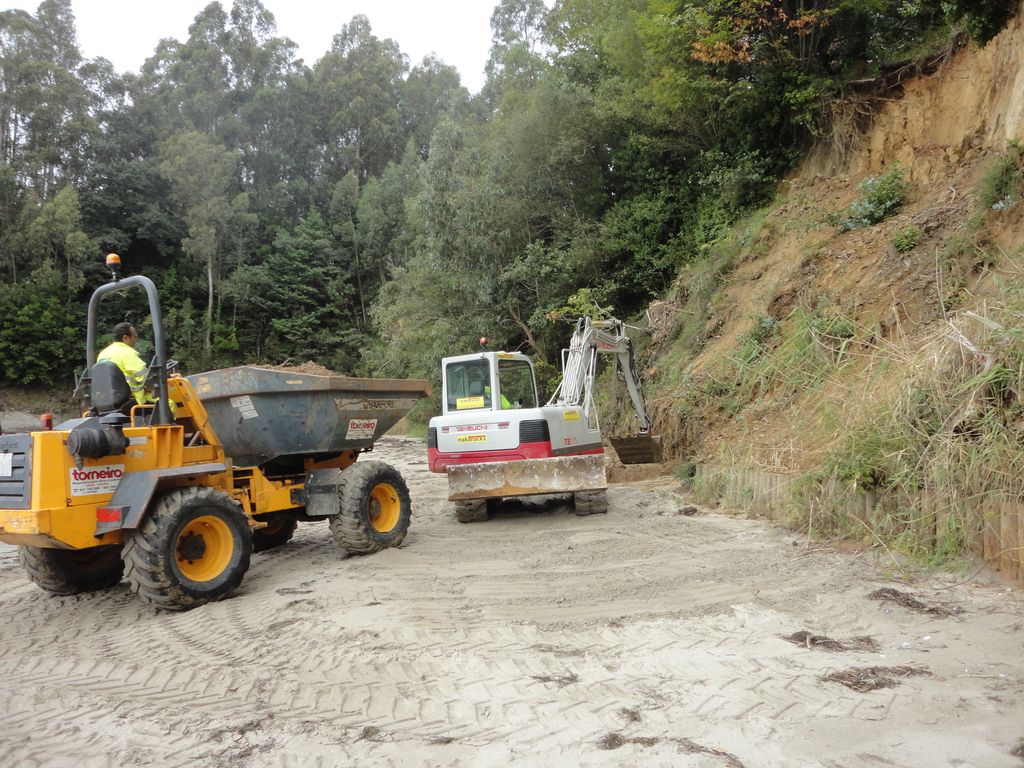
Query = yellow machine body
x=63 y=512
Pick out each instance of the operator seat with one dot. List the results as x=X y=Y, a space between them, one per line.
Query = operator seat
x=109 y=389
x=478 y=388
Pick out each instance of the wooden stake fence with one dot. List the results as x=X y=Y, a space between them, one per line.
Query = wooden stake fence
x=997 y=521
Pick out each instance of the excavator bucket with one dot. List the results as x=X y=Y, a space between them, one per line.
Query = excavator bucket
x=644 y=448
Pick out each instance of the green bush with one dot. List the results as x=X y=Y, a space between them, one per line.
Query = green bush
x=1003 y=182
x=832 y=323
x=951 y=434
x=881 y=197
x=789 y=358
x=906 y=239
x=685 y=473
x=41 y=338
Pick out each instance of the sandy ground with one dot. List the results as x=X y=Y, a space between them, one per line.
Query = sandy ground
x=640 y=637
x=19 y=421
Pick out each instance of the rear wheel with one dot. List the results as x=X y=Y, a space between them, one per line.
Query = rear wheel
x=280 y=529
x=193 y=547
x=591 y=502
x=472 y=510
x=375 y=508
x=70 y=571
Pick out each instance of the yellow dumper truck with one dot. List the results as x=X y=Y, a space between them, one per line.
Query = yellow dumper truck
x=176 y=498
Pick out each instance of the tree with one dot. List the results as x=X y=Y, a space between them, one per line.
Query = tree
x=40 y=339
x=11 y=202
x=270 y=96
x=517 y=43
x=344 y=200
x=431 y=90
x=302 y=297
x=202 y=174
x=16 y=98
x=57 y=237
x=45 y=108
x=983 y=18
x=387 y=225
x=359 y=83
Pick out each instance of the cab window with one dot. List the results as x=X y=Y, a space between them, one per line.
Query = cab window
x=515 y=378
x=468 y=385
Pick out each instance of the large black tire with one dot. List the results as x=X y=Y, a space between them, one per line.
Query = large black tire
x=280 y=529
x=375 y=508
x=472 y=510
x=70 y=571
x=590 y=502
x=193 y=548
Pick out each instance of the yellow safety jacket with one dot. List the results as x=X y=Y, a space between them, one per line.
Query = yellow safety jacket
x=505 y=404
x=127 y=359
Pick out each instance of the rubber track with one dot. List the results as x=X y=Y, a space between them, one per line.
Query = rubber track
x=591 y=502
x=472 y=511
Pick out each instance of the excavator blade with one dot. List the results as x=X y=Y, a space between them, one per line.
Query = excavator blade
x=637 y=449
x=527 y=477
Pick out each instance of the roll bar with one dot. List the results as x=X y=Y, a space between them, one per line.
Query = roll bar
x=159 y=363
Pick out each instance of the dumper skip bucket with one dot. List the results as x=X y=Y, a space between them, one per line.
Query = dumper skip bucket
x=264 y=415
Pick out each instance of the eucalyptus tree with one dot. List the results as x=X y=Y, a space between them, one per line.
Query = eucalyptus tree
x=388 y=224
x=16 y=96
x=437 y=298
x=431 y=90
x=518 y=46
x=359 y=84
x=45 y=107
x=202 y=172
x=191 y=80
x=269 y=93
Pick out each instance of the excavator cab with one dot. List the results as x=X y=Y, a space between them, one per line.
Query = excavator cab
x=491 y=381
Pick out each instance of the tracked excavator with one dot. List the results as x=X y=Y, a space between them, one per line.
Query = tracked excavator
x=495 y=440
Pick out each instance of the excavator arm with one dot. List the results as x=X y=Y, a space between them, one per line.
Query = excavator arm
x=590 y=338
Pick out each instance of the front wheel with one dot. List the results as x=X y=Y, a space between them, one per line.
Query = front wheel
x=193 y=547
x=375 y=508
x=70 y=571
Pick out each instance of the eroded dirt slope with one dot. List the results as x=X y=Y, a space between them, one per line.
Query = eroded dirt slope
x=645 y=636
x=943 y=130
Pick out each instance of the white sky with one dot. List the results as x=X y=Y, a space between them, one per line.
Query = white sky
x=127 y=31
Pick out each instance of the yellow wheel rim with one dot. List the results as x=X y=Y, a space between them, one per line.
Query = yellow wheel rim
x=385 y=508
x=204 y=548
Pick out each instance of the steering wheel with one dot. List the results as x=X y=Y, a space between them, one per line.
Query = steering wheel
x=152 y=374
